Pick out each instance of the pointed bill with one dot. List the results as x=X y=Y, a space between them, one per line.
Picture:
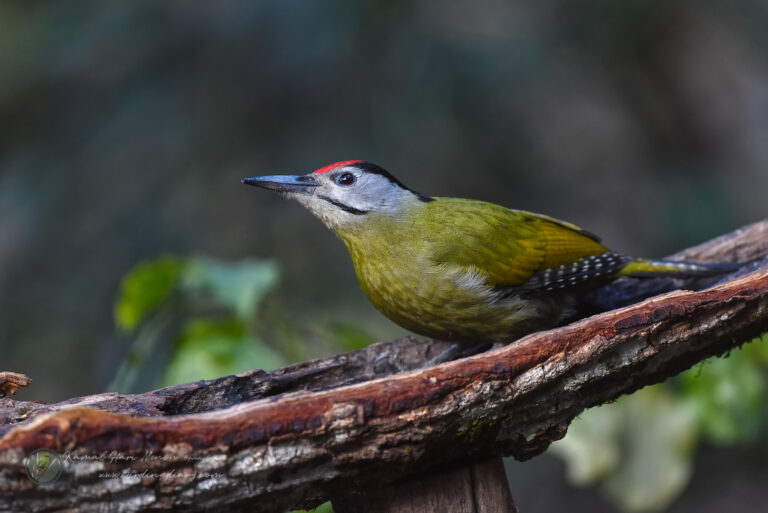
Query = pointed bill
x=283 y=183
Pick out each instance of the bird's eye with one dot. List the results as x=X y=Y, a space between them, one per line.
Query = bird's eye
x=345 y=179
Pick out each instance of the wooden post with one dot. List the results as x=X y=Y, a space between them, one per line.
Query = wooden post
x=478 y=488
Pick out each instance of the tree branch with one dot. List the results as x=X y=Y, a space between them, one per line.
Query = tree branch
x=271 y=441
x=12 y=381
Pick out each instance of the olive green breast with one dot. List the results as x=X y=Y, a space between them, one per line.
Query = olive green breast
x=439 y=268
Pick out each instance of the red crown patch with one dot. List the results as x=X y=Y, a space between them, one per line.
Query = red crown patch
x=331 y=167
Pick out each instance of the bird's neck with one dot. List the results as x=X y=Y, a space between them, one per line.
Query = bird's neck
x=382 y=229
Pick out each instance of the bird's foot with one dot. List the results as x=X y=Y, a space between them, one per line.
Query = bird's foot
x=457 y=351
x=388 y=363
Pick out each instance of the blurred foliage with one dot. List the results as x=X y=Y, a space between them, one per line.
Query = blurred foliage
x=195 y=318
x=204 y=309
x=211 y=306
x=145 y=289
x=213 y=348
x=348 y=336
x=640 y=448
x=323 y=508
x=729 y=395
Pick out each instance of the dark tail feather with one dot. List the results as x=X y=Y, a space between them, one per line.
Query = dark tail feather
x=648 y=278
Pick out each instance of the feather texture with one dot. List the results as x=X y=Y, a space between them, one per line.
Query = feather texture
x=471 y=271
x=459 y=269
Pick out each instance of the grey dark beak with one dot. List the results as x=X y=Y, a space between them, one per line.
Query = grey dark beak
x=283 y=183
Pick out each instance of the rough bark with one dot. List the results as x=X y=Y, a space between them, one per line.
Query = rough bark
x=272 y=441
x=12 y=381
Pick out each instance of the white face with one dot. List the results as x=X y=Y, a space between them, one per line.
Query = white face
x=347 y=195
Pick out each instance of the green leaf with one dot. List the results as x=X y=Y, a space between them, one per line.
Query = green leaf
x=591 y=449
x=659 y=438
x=160 y=295
x=145 y=289
x=638 y=448
x=239 y=286
x=757 y=350
x=322 y=508
x=209 y=349
x=728 y=395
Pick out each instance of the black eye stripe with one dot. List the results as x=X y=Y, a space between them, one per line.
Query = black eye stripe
x=345 y=208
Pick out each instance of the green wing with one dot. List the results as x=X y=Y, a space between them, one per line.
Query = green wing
x=508 y=245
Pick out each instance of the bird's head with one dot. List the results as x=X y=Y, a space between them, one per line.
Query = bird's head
x=344 y=194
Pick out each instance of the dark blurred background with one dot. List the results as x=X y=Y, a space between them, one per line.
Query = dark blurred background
x=126 y=127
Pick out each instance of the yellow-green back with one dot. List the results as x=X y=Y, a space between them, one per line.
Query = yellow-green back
x=509 y=245
x=442 y=267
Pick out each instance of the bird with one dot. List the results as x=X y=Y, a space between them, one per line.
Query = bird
x=460 y=270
